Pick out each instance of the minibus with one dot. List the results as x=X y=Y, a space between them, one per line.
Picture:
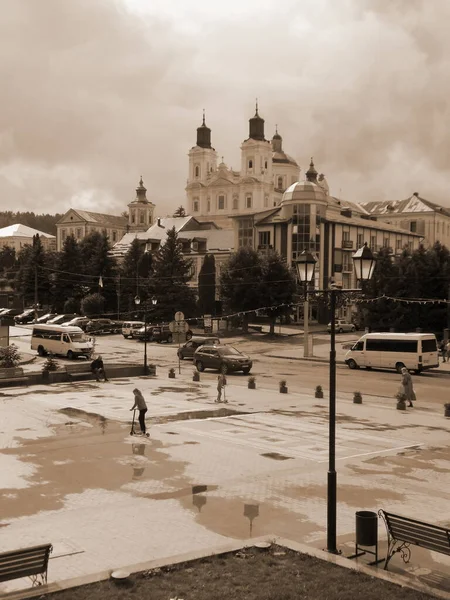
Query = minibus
x=415 y=351
x=65 y=341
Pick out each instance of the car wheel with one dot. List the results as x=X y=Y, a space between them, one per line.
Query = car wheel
x=399 y=366
x=200 y=366
x=41 y=351
x=246 y=371
x=352 y=364
x=223 y=368
x=340 y=330
x=353 y=329
x=124 y=336
x=70 y=355
x=169 y=339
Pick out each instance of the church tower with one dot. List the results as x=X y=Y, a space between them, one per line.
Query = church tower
x=140 y=210
x=202 y=156
x=256 y=151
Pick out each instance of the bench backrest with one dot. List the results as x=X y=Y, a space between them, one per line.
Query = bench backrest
x=11 y=372
x=77 y=368
x=25 y=562
x=419 y=533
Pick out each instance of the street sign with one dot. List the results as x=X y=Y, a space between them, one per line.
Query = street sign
x=179 y=316
x=179 y=327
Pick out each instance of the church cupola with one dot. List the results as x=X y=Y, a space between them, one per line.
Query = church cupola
x=256 y=126
x=277 y=142
x=311 y=173
x=203 y=135
x=141 y=192
x=140 y=210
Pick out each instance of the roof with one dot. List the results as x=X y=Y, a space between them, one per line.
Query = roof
x=282 y=157
x=18 y=230
x=100 y=218
x=304 y=190
x=413 y=204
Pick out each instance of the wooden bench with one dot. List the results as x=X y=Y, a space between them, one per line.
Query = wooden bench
x=28 y=562
x=12 y=375
x=402 y=532
x=81 y=370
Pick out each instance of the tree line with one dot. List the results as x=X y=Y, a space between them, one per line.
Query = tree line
x=44 y=222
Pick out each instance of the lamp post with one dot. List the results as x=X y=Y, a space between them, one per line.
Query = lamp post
x=137 y=301
x=306 y=264
x=364 y=263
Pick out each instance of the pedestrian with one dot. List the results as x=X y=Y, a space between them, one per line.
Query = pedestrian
x=447 y=350
x=140 y=404
x=98 y=368
x=408 y=386
x=221 y=383
x=442 y=350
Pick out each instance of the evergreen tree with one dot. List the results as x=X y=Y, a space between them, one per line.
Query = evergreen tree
x=130 y=282
x=68 y=278
x=207 y=286
x=278 y=286
x=240 y=283
x=169 y=281
x=100 y=268
x=180 y=212
x=33 y=275
x=7 y=258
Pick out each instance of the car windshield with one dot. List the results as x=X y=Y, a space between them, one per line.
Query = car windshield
x=77 y=337
x=230 y=350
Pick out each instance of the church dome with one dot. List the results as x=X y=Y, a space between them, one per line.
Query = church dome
x=304 y=191
x=283 y=158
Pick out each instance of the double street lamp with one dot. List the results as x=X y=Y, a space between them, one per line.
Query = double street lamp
x=364 y=263
x=137 y=301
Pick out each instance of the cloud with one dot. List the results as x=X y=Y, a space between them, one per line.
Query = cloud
x=99 y=92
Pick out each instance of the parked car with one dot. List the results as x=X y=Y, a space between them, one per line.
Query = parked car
x=342 y=326
x=223 y=358
x=187 y=350
x=77 y=322
x=140 y=333
x=45 y=318
x=26 y=317
x=59 y=319
x=129 y=328
x=101 y=326
x=10 y=313
x=162 y=333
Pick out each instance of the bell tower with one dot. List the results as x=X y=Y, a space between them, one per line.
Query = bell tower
x=140 y=210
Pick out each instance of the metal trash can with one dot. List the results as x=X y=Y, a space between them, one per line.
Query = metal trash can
x=366 y=528
x=366 y=534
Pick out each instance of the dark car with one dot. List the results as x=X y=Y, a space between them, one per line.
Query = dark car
x=45 y=318
x=162 y=333
x=62 y=318
x=223 y=358
x=77 y=322
x=140 y=333
x=26 y=317
x=102 y=326
x=10 y=313
x=187 y=350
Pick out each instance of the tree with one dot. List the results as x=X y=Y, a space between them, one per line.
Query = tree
x=33 y=274
x=7 y=258
x=169 y=281
x=240 y=283
x=130 y=275
x=277 y=287
x=100 y=268
x=207 y=286
x=68 y=278
x=93 y=305
x=180 y=212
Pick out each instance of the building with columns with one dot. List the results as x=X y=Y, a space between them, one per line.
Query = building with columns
x=217 y=193
x=80 y=223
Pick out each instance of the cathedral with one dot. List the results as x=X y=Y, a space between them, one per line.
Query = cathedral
x=218 y=193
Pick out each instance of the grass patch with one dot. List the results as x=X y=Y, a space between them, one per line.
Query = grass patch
x=249 y=574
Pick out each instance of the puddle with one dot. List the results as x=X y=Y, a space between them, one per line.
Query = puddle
x=276 y=456
x=198 y=414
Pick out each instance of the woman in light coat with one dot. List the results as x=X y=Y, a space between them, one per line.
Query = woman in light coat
x=407 y=385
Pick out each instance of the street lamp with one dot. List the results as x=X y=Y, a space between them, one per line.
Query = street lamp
x=306 y=264
x=364 y=263
x=137 y=301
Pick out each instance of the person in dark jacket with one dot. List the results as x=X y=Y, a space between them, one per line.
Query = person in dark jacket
x=98 y=368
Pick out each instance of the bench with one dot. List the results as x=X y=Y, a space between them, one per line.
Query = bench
x=12 y=375
x=80 y=370
x=28 y=562
x=402 y=532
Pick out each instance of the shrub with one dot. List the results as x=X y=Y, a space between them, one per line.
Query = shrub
x=50 y=364
x=251 y=379
x=283 y=383
x=9 y=356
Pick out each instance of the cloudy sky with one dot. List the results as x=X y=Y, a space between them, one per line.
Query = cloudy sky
x=97 y=92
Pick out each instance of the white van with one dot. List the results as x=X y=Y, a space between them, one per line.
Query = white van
x=415 y=351
x=56 y=339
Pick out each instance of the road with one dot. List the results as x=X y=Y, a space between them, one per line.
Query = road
x=431 y=388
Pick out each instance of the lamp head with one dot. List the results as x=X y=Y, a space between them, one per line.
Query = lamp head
x=306 y=263
x=364 y=263
x=137 y=300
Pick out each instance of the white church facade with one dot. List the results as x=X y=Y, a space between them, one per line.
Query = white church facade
x=217 y=193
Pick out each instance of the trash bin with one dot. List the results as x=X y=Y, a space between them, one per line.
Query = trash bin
x=366 y=528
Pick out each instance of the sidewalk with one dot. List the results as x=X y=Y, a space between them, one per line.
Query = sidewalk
x=72 y=475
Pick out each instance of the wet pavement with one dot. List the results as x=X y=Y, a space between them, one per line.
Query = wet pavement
x=71 y=473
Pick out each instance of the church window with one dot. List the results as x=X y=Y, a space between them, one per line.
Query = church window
x=114 y=236
x=209 y=206
x=197 y=171
x=245 y=233
x=265 y=164
x=266 y=201
x=221 y=202
x=235 y=203
x=280 y=183
x=141 y=217
x=133 y=218
x=195 y=205
x=250 y=164
x=248 y=201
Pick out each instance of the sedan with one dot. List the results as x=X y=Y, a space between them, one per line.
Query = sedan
x=26 y=317
x=77 y=322
x=102 y=326
x=223 y=358
x=342 y=326
x=45 y=318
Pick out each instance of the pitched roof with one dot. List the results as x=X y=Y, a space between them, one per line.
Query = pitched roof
x=100 y=218
x=19 y=230
x=413 y=204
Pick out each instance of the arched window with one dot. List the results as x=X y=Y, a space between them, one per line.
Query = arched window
x=280 y=183
x=133 y=218
x=221 y=202
x=197 y=171
x=265 y=164
x=195 y=205
x=248 y=201
x=209 y=206
x=250 y=164
x=235 y=203
x=141 y=217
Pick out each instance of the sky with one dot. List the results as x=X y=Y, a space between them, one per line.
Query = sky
x=96 y=93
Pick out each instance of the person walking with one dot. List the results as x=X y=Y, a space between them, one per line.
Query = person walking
x=407 y=385
x=98 y=368
x=443 y=350
x=140 y=404
x=447 y=350
x=221 y=383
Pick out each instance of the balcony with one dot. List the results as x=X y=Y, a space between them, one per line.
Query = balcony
x=348 y=244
